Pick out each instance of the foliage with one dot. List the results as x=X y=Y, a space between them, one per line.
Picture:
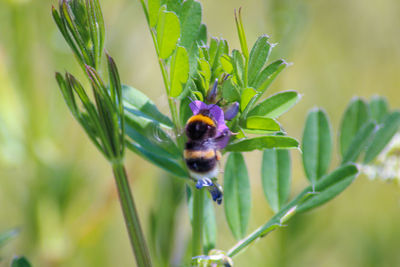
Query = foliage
x=193 y=67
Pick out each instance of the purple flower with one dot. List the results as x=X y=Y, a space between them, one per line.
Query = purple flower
x=223 y=132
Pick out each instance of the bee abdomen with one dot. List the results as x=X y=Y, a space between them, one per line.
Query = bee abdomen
x=201 y=165
x=201 y=161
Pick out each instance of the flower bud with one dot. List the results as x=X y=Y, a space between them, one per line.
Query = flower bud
x=231 y=111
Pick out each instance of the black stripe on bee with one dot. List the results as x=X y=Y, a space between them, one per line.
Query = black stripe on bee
x=201 y=165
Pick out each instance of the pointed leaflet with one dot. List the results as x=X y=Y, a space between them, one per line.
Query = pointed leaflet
x=179 y=71
x=268 y=75
x=356 y=114
x=276 y=177
x=329 y=187
x=237 y=60
x=237 y=195
x=258 y=58
x=276 y=105
x=317 y=145
x=246 y=96
x=360 y=142
x=138 y=104
x=165 y=163
x=168 y=32
x=151 y=137
x=383 y=136
x=262 y=142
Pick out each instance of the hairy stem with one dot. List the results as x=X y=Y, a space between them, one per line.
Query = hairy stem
x=131 y=216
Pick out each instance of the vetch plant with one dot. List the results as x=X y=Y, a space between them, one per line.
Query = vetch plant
x=217 y=107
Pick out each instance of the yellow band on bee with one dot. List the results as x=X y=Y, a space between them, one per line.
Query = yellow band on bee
x=202 y=118
x=194 y=154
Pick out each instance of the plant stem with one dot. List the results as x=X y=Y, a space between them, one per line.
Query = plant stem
x=197 y=223
x=131 y=216
x=277 y=221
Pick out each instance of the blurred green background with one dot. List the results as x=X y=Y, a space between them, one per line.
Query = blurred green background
x=58 y=190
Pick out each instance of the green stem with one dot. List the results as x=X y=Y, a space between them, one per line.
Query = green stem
x=172 y=106
x=197 y=224
x=277 y=221
x=131 y=216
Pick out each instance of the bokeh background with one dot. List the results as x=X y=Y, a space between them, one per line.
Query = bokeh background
x=58 y=190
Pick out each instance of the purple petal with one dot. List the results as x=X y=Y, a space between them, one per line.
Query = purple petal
x=231 y=111
x=218 y=116
x=196 y=106
x=223 y=139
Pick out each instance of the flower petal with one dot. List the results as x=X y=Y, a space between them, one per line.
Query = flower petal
x=222 y=140
x=196 y=106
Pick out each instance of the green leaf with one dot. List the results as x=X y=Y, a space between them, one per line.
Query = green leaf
x=138 y=104
x=356 y=114
x=258 y=58
x=154 y=8
x=184 y=111
x=360 y=142
x=68 y=38
x=226 y=63
x=165 y=163
x=68 y=94
x=210 y=226
x=218 y=48
x=5 y=236
x=329 y=186
x=151 y=137
x=246 y=96
x=276 y=105
x=268 y=75
x=317 y=145
x=173 y=5
x=383 y=136
x=276 y=177
x=237 y=195
x=190 y=18
x=263 y=142
x=168 y=32
x=179 y=71
x=20 y=262
x=202 y=36
x=97 y=31
x=229 y=92
x=261 y=123
x=241 y=34
x=237 y=60
x=205 y=74
x=379 y=108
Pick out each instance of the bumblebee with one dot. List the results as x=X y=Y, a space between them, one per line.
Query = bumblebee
x=207 y=134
